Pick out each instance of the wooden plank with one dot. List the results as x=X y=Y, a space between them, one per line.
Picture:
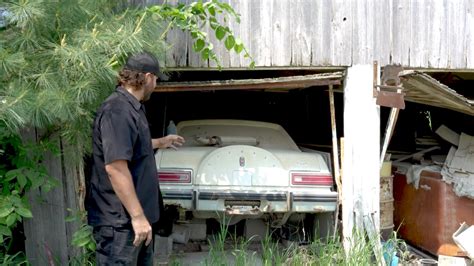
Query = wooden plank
x=219 y=48
x=74 y=192
x=236 y=60
x=280 y=31
x=49 y=213
x=435 y=91
x=358 y=32
x=176 y=54
x=301 y=13
x=260 y=33
x=322 y=47
x=335 y=149
x=392 y=121
x=363 y=32
x=341 y=33
x=335 y=153
x=401 y=32
x=456 y=33
x=305 y=33
x=420 y=20
x=469 y=50
x=437 y=34
x=382 y=32
x=194 y=59
x=361 y=183
x=253 y=84
x=416 y=154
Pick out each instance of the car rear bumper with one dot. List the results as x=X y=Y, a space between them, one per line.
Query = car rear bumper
x=263 y=201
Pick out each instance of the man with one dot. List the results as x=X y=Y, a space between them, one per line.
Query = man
x=123 y=192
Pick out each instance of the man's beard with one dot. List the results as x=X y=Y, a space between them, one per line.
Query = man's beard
x=147 y=95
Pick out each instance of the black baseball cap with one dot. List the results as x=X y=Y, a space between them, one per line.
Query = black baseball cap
x=145 y=62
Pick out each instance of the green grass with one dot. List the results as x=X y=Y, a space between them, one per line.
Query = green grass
x=324 y=251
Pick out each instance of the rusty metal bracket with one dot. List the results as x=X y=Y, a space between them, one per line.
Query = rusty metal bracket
x=391 y=99
x=390 y=75
x=390 y=92
x=376 y=76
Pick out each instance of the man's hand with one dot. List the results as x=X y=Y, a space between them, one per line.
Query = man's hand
x=170 y=141
x=142 y=230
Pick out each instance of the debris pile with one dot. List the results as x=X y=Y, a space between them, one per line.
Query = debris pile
x=458 y=169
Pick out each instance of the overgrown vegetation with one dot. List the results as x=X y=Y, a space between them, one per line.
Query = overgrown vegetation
x=58 y=61
x=226 y=249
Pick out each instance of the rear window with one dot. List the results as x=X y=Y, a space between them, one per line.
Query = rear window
x=235 y=132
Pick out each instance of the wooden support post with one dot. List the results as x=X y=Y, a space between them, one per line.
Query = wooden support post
x=392 y=121
x=335 y=152
x=361 y=165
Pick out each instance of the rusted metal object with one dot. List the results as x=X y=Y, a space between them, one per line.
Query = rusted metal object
x=390 y=75
x=391 y=99
x=390 y=92
x=427 y=217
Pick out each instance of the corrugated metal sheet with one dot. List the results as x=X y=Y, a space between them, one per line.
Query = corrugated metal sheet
x=422 y=88
x=318 y=33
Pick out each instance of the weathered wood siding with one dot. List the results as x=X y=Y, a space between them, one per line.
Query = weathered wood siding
x=306 y=33
x=47 y=235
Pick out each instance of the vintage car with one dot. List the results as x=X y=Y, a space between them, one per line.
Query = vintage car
x=244 y=170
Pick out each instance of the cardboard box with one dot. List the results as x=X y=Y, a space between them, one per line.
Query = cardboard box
x=454 y=261
x=464 y=238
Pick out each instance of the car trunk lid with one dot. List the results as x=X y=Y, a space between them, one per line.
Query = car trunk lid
x=241 y=165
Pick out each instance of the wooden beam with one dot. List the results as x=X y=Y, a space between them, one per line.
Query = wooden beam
x=361 y=182
x=335 y=152
x=293 y=82
x=392 y=121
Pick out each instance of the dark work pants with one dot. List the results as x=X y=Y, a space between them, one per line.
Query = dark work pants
x=115 y=247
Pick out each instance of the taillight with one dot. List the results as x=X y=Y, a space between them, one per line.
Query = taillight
x=174 y=176
x=312 y=179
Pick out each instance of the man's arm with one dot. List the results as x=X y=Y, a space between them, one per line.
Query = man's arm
x=122 y=183
x=170 y=141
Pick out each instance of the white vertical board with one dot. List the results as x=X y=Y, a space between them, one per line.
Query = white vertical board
x=260 y=32
x=420 y=19
x=361 y=166
x=239 y=30
x=437 y=34
x=280 y=31
x=194 y=58
x=413 y=33
x=219 y=48
x=341 y=32
x=301 y=29
x=456 y=33
x=382 y=36
x=322 y=48
x=363 y=32
x=176 y=53
x=470 y=36
x=401 y=32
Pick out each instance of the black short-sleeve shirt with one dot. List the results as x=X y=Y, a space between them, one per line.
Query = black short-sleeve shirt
x=120 y=132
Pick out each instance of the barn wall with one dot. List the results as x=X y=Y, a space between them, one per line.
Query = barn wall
x=309 y=33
